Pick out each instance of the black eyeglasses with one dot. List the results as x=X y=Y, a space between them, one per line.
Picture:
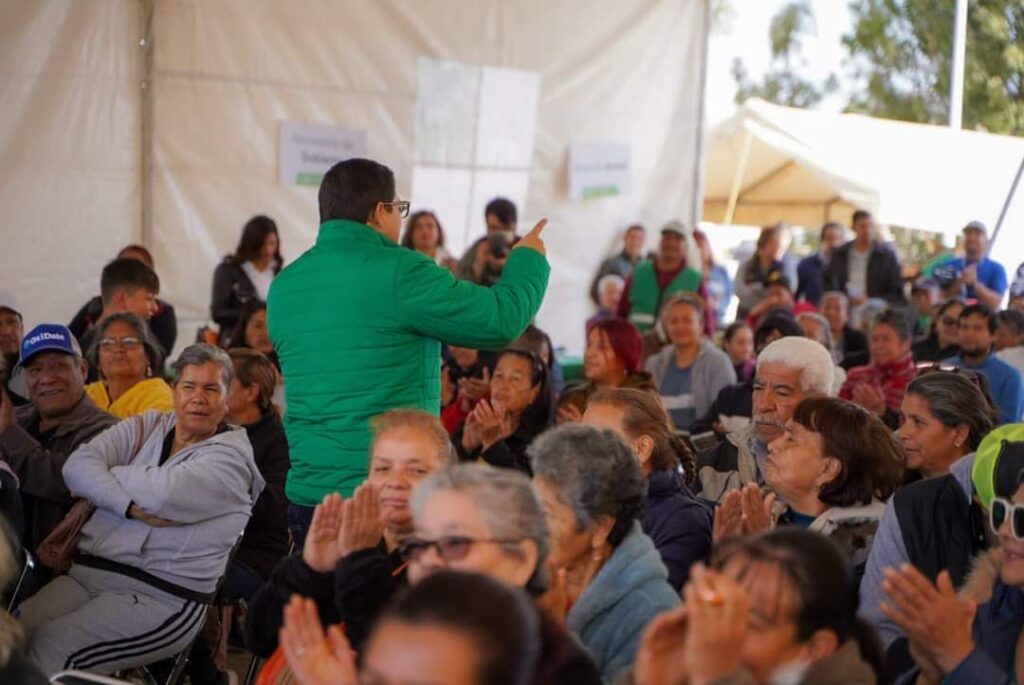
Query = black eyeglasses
x=401 y=205
x=450 y=548
x=1003 y=509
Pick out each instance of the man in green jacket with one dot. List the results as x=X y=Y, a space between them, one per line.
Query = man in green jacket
x=357 y=323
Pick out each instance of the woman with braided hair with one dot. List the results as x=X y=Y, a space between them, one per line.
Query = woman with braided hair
x=677 y=522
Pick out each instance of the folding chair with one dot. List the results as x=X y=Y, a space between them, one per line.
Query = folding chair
x=181 y=659
x=26 y=569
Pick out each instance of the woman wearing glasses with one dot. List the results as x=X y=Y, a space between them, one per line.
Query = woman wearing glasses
x=973 y=637
x=130 y=364
x=593 y=492
x=350 y=563
x=944 y=339
x=475 y=518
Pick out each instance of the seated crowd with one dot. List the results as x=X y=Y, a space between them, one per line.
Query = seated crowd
x=822 y=490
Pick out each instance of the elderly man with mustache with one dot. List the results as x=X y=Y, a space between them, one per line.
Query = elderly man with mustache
x=788 y=370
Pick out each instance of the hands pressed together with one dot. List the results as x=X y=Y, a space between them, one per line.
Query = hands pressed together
x=340 y=527
x=743 y=512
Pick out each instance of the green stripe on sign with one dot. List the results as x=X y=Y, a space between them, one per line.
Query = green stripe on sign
x=308 y=179
x=600 y=191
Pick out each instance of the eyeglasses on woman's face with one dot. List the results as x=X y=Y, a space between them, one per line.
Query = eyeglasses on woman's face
x=110 y=344
x=450 y=548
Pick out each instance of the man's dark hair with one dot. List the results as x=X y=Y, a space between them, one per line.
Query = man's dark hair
x=979 y=309
x=503 y=210
x=860 y=214
x=1012 y=319
x=127 y=274
x=830 y=226
x=351 y=190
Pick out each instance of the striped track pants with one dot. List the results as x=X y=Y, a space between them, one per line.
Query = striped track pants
x=102 y=622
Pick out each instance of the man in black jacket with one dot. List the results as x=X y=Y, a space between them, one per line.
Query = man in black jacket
x=864 y=268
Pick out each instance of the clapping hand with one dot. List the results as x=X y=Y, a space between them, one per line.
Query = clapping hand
x=871 y=397
x=492 y=422
x=717 y=607
x=472 y=390
x=937 y=622
x=315 y=658
x=340 y=527
x=742 y=512
x=322 y=549
x=569 y=413
x=661 y=657
x=361 y=525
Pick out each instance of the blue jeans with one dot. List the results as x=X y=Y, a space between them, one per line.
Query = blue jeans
x=299 y=518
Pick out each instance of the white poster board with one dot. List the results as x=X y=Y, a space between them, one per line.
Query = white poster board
x=598 y=170
x=307 y=151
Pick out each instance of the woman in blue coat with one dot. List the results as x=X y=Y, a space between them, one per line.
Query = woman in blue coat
x=677 y=522
x=593 y=493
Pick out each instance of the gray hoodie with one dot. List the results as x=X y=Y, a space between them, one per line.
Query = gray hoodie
x=712 y=371
x=209 y=488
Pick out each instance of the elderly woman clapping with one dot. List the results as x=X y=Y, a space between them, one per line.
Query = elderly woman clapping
x=173 y=492
x=130 y=363
x=593 y=493
x=833 y=467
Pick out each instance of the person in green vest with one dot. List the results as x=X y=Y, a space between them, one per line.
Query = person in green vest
x=655 y=280
x=357 y=323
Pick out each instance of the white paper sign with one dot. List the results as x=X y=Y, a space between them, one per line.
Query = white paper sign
x=598 y=169
x=307 y=151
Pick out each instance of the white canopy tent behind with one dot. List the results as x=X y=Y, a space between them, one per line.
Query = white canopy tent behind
x=137 y=121
x=769 y=163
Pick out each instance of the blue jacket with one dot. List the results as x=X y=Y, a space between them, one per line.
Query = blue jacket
x=1004 y=382
x=626 y=594
x=678 y=523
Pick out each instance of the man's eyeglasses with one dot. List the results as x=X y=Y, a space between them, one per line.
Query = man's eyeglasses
x=450 y=548
x=110 y=344
x=1003 y=509
x=401 y=205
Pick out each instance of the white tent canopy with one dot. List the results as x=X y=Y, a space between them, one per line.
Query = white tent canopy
x=137 y=121
x=769 y=163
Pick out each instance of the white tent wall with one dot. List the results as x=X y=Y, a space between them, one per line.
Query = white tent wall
x=70 y=126
x=225 y=73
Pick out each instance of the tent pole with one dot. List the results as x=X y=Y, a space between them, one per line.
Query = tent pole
x=1006 y=204
x=956 y=75
x=737 y=179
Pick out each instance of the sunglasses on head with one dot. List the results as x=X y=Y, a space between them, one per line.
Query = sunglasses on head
x=1003 y=509
x=450 y=548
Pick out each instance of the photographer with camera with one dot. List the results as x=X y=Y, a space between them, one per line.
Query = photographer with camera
x=974 y=276
x=483 y=262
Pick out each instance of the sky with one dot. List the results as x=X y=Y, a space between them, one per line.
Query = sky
x=746 y=36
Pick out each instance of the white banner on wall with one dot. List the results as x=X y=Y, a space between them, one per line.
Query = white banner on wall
x=307 y=151
x=598 y=170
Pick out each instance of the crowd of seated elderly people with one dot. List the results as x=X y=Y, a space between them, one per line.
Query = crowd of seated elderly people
x=823 y=486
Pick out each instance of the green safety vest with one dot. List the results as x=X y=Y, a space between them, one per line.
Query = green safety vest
x=645 y=298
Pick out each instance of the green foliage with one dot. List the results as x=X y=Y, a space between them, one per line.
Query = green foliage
x=900 y=53
x=782 y=84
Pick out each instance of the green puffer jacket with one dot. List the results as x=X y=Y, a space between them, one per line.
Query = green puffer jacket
x=357 y=322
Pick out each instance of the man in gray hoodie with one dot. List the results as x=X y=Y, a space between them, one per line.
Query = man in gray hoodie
x=173 y=493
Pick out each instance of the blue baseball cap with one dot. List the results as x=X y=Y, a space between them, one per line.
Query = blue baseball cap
x=48 y=337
